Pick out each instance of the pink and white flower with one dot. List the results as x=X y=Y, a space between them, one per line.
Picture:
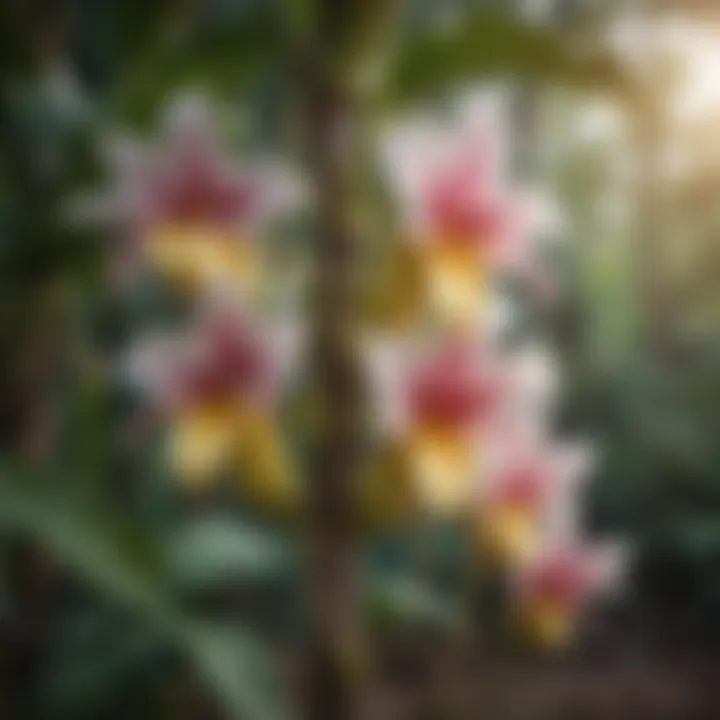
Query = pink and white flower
x=220 y=385
x=185 y=206
x=444 y=404
x=526 y=481
x=432 y=404
x=459 y=205
x=556 y=585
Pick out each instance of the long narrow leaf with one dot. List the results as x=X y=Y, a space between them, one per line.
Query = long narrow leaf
x=119 y=564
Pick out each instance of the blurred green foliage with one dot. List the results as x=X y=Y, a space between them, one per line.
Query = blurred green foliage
x=138 y=571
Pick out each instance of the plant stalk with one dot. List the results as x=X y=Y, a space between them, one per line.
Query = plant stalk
x=336 y=655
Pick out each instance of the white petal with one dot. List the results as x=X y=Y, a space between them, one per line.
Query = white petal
x=150 y=367
x=188 y=117
x=286 y=342
x=494 y=318
x=482 y=130
x=127 y=156
x=610 y=560
x=542 y=215
x=387 y=360
x=535 y=378
x=281 y=189
x=412 y=152
x=574 y=461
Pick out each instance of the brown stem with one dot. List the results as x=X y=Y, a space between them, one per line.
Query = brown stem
x=334 y=569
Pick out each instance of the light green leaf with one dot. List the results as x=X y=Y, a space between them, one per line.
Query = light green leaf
x=404 y=600
x=215 y=549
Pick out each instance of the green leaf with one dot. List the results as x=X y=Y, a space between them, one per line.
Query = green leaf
x=121 y=561
x=496 y=44
x=90 y=658
x=215 y=550
x=698 y=537
x=239 y=668
x=404 y=600
x=224 y=58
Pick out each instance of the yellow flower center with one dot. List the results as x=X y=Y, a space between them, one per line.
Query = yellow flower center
x=192 y=256
x=548 y=622
x=202 y=439
x=508 y=532
x=442 y=459
x=456 y=279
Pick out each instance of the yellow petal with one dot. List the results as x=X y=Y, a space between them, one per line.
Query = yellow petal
x=264 y=468
x=396 y=290
x=192 y=256
x=548 y=623
x=456 y=279
x=201 y=442
x=443 y=465
x=508 y=535
x=388 y=492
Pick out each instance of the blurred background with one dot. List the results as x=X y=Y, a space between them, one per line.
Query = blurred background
x=119 y=598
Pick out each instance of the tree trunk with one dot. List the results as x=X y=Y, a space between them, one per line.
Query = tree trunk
x=335 y=652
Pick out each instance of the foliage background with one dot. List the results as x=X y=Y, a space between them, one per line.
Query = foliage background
x=112 y=586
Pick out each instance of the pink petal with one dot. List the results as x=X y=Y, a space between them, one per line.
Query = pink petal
x=454 y=386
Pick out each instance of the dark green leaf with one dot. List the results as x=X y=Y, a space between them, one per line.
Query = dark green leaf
x=119 y=561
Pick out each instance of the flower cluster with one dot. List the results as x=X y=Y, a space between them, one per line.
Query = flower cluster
x=220 y=383
x=461 y=417
x=195 y=220
x=466 y=418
